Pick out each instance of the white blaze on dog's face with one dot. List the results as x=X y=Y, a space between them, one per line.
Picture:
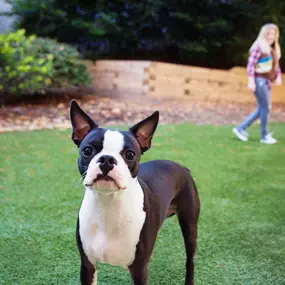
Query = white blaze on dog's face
x=109 y=160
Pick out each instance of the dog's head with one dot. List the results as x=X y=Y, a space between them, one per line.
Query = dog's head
x=109 y=160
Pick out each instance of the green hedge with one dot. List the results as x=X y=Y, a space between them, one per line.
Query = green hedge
x=30 y=65
x=22 y=70
x=68 y=69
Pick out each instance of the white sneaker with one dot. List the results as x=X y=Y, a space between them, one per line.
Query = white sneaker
x=242 y=135
x=268 y=140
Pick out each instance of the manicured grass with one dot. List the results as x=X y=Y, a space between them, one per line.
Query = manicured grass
x=241 y=227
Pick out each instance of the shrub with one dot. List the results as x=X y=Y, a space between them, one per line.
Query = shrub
x=21 y=70
x=68 y=69
x=31 y=64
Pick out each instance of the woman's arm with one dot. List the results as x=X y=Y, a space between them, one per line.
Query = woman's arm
x=254 y=55
x=278 y=80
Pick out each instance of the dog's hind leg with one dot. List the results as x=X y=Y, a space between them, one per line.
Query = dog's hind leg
x=188 y=206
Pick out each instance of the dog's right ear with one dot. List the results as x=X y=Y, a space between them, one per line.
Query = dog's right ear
x=82 y=124
x=144 y=130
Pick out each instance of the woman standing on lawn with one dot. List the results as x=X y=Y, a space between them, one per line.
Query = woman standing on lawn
x=262 y=70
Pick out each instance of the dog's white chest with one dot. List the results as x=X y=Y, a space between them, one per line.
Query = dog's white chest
x=110 y=226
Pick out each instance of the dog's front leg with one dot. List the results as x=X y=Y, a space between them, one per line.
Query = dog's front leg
x=139 y=272
x=88 y=273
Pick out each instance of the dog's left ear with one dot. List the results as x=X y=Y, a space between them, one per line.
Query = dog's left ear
x=144 y=130
x=82 y=124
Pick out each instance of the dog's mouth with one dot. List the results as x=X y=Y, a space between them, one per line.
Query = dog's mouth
x=104 y=182
x=101 y=177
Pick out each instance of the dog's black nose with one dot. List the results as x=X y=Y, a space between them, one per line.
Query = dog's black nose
x=106 y=163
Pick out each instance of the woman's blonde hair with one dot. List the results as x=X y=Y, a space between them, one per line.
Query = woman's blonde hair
x=262 y=42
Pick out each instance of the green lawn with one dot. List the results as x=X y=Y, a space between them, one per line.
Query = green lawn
x=241 y=227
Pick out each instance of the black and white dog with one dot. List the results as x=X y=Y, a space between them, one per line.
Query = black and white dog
x=125 y=202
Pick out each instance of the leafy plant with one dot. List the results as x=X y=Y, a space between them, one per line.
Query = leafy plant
x=206 y=32
x=31 y=64
x=22 y=70
x=68 y=68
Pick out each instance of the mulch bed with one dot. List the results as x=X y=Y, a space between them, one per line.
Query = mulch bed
x=51 y=112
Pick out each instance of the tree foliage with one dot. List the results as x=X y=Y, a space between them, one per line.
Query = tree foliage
x=213 y=33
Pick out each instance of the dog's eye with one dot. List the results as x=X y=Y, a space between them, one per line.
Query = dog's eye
x=130 y=155
x=87 y=151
